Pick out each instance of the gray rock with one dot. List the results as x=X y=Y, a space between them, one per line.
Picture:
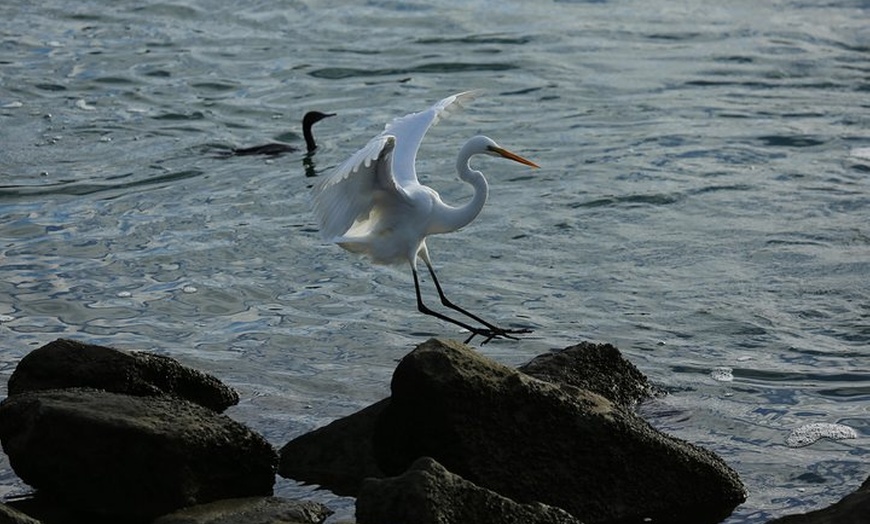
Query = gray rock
x=68 y=364
x=852 y=509
x=429 y=494
x=251 y=510
x=531 y=440
x=135 y=457
x=338 y=456
x=599 y=368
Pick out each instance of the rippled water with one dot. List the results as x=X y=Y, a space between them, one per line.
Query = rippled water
x=702 y=203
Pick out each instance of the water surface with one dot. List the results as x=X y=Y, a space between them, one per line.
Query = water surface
x=701 y=203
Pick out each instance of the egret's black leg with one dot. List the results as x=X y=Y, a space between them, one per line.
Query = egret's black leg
x=447 y=303
x=488 y=334
x=494 y=331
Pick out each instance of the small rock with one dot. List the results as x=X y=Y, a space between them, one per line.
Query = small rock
x=252 y=510
x=599 y=368
x=429 y=494
x=69 y=364
x=134 y=457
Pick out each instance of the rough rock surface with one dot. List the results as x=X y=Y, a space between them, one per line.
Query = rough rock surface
x=9 y=515
x=532 y=440
x=429 y=494
x=852 y=509
x=338 y=456
x=136 y=457
x=599 y=368
x=251 y=510
x=526 y=439
x=68 y=364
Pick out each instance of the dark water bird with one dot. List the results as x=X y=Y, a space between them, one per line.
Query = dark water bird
x=277 y=148
x=373 y=204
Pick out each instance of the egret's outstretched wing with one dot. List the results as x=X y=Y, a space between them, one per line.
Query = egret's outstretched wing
x=409 y=131
x=347 y=195
x=385 y=166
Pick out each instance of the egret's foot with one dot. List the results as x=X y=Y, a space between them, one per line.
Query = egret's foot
x=489 y=334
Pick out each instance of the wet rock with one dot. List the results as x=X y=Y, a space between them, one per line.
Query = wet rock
x=852 y=509
x=429 y=494
x=48 y=510
x=599 y=368
x=9 y=515
x=135 y=457
x=252 y=510
x=526 y=439
x=69 y=364
x=339 y=455
x=534 y=441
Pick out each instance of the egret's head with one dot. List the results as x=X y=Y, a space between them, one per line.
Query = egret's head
x=487 y=146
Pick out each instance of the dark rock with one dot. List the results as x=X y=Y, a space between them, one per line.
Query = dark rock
x=135 y=457
x=599 y=368
x=338 y=456
x=9 y=515
x=523 y=438
x=252 y=510
x=531 y=440
x=852 y=509
x=429 y=494
x=50 y=510
x=69 y=364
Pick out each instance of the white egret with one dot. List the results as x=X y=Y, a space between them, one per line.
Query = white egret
x=276 y=148
x=373 y=204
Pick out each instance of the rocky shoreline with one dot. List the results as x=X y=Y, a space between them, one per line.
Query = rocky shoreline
x=104 y=435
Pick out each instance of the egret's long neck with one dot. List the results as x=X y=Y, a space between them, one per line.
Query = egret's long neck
x=454 y=218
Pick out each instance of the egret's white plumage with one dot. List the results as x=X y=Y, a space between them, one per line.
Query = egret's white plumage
x=374 y=204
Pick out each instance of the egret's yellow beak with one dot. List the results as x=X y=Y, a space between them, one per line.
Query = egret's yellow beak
x=504 y=153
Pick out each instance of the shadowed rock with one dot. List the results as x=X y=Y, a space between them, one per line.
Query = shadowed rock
x=852 y=509
x=252 y=510
x=532 y=441
x=338 y=456
x=69 y=364
x=9 y=515
x=429 y=494
x=136 y=457
x=599 y=368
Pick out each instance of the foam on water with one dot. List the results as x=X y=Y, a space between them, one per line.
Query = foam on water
x=810 y=433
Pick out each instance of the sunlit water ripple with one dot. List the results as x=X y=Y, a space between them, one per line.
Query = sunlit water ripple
x=701 y=203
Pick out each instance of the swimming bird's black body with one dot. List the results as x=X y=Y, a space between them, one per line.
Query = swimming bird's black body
x=275 y=148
